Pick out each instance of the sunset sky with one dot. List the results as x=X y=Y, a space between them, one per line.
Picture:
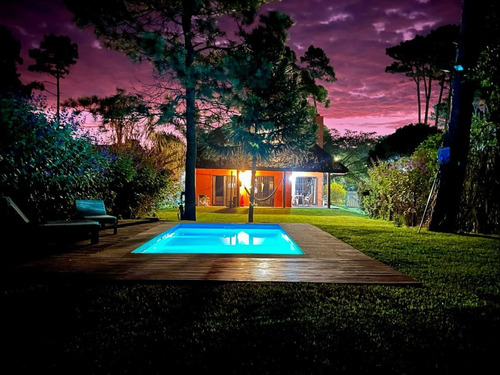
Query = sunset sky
x=353 y=33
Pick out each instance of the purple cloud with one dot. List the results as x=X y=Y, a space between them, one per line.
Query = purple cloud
x=353 y=33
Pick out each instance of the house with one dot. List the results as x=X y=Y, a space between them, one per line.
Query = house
x=282 y=181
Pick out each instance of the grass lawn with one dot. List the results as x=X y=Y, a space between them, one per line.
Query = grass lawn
x=449 y=324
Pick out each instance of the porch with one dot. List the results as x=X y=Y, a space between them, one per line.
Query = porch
x=285 y=189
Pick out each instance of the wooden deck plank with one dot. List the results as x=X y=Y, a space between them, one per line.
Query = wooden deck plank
x=326 y=260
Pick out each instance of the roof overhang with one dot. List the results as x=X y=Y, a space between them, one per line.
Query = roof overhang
x=315 y=160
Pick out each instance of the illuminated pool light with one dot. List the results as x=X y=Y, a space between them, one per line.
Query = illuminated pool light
x=194 y=238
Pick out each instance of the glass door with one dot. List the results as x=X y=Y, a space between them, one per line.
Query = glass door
x=305 y=191
x=264 y=191
x=224 y=190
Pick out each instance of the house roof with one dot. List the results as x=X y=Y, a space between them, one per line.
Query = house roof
x=315 y=160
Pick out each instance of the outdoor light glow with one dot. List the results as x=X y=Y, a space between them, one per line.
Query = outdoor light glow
x=246 y=179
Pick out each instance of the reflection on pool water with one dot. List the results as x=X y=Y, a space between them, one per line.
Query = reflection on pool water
x=205 y=238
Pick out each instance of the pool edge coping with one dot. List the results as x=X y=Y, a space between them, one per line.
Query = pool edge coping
x=314 y=242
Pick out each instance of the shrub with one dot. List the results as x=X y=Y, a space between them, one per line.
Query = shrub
x=337 y=194
x=136 y=185
x=44 y=166
x=399 y=189
x=480 y=206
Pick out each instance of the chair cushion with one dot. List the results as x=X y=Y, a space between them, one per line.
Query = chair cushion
x=90 y=207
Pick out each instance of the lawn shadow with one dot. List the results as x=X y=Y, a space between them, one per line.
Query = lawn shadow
x=232 y=210
x=258 y=210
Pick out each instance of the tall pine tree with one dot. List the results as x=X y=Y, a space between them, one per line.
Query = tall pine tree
x=181 y=38
x=55 y=55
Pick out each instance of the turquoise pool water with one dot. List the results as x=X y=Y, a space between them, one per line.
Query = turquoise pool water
x=194 y=238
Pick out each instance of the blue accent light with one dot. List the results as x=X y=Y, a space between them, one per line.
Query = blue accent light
x=444 y=155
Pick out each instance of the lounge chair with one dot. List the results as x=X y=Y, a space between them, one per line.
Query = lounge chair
x=95 y=210
x=203 y=200
x=308 y=199
x=16 y=221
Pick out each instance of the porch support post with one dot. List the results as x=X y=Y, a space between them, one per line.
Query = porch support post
x=237 y=188
x=328 y=179
x=231 y=194
x=284 y=190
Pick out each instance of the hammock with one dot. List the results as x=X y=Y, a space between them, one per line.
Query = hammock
x=266 y=198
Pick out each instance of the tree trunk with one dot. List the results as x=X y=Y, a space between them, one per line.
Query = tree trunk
x=444 y=216
x=428 y=90
x=417 y=81
x=252 y=189
x=448 y=108
x=190 y=187
x=58 y=99
x=438 y=107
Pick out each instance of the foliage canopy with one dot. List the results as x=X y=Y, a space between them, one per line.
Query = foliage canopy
x=182 y=39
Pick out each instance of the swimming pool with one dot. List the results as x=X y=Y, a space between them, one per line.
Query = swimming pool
x=197 y=238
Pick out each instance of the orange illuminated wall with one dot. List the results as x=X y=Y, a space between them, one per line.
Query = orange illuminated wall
x=204 y=185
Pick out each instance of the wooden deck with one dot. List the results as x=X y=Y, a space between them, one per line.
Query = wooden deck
x=327 y=260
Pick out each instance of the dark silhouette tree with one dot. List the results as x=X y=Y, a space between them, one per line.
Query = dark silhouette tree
x=182 y=39
x=487 y=71
x=442 y=45
x=54 y=57
x=9 y=59
x=474 y=37
x=401 y=143
x=426 y=60
x=317 y=67
x=351 y=149
x=120 y=112
x=269 y=96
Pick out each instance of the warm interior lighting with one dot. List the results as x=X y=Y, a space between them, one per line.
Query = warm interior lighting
x=246 y=179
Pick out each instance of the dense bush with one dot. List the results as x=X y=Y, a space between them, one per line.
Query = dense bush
x=403 y=142
x=136 y=184
x=44 y=166
x=337 y=194
x=398 y=190
x=480 y=206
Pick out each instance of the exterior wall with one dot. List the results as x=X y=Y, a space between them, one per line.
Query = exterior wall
x=288 y=190
x=204 y=185
x=204 y=181
x=237 y=196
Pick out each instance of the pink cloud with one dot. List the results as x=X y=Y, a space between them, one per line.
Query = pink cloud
x=353 y=33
